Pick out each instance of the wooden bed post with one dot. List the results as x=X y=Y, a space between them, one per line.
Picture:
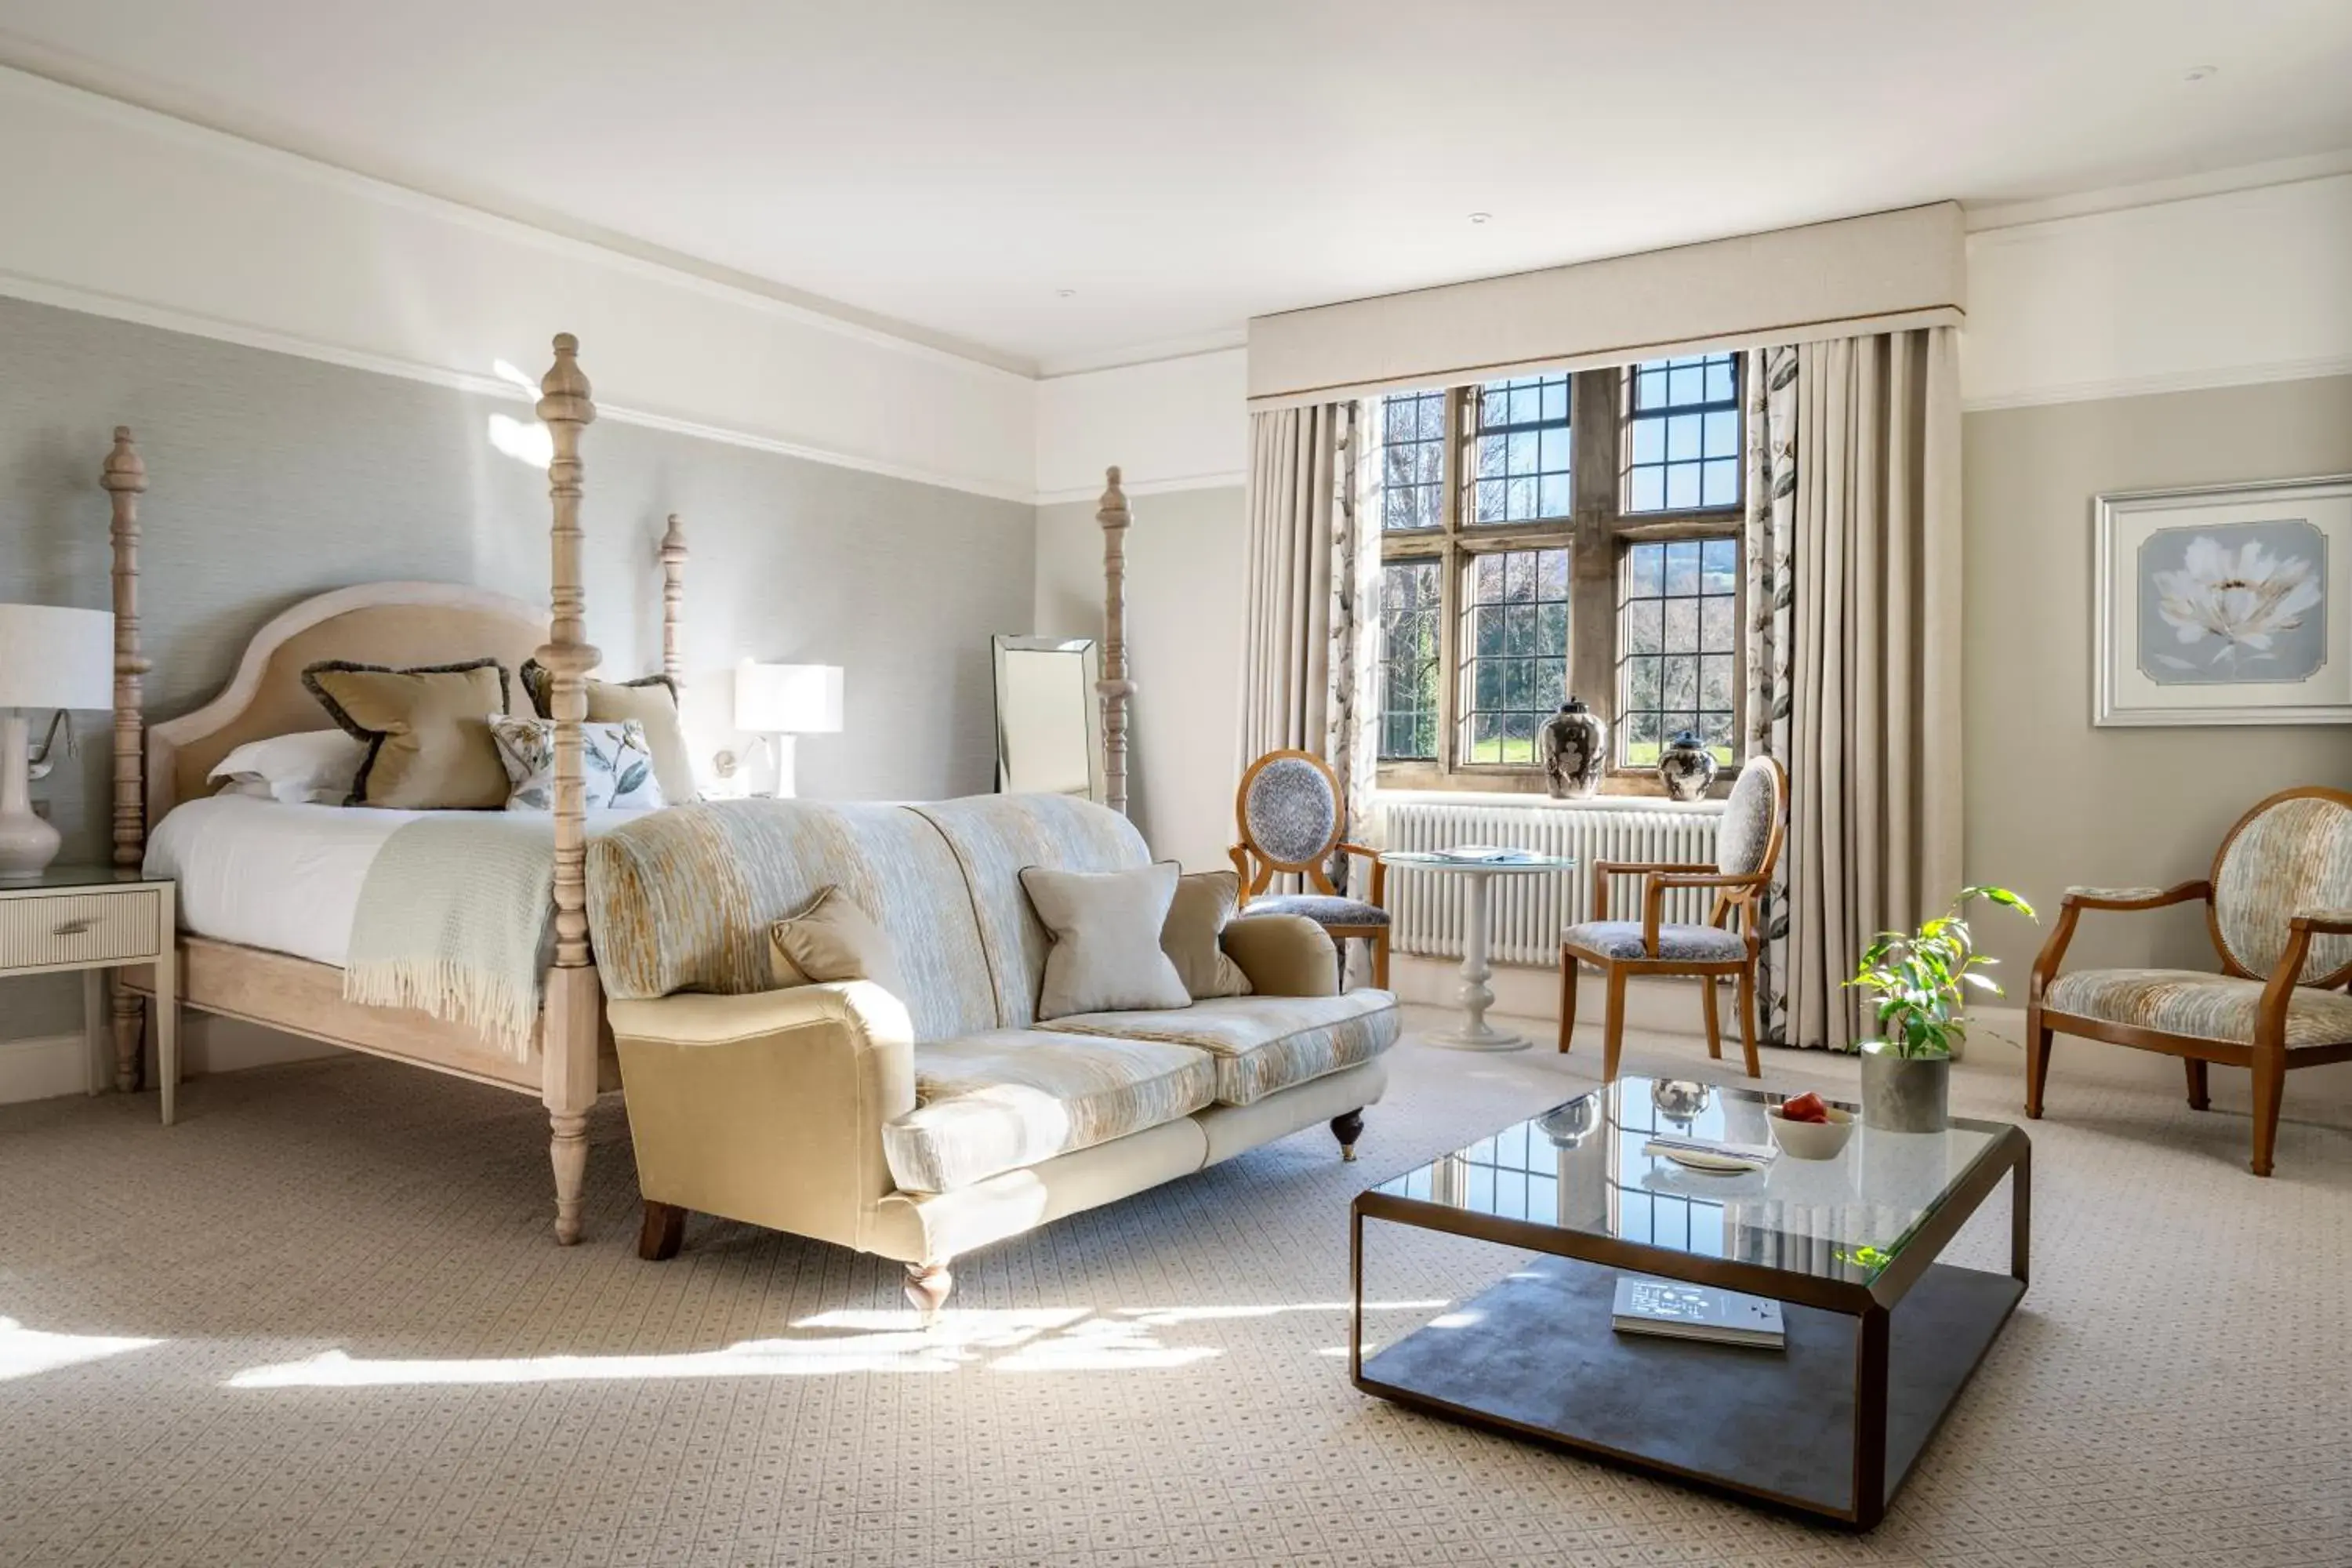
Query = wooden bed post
x=124 y=479
x=1114 y=688
x=673 y=565
x=574 y=1003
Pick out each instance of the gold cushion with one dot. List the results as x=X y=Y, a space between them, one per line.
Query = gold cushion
x=1192 y=936
x=833 y=939
x=652 y=701
x=427 y=731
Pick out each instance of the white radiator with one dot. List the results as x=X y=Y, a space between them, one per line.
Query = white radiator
x=1530 y=910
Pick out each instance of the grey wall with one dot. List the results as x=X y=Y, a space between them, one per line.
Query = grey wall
x=1184 y=587
x=2049 y=800
x=273 y=478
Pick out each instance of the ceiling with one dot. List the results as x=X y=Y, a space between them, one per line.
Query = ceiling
x=1060 y=183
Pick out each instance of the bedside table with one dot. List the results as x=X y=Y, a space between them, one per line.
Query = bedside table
x=94 y=919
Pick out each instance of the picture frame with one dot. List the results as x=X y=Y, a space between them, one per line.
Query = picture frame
x=2224 y=604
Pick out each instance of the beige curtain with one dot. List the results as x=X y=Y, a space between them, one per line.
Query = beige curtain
x=1307 y=648
x=1875 y=748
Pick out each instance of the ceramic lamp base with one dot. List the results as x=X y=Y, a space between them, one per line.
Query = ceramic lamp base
x=28 y=844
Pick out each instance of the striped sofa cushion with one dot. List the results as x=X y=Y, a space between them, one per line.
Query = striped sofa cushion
x=1263 y=1044
x=994 y=836
x=683 y=899
x=1011 y=1098
x=2203 y=1007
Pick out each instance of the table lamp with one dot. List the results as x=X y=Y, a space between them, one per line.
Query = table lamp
x=779 y=701
x=49 y=657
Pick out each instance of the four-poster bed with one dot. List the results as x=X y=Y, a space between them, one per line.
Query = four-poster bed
x=568 y=1059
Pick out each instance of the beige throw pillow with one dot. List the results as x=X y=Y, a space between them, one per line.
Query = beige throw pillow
x=652 y=701
x=1107 y=955
x=832 y=940
x=427 y=731
x=1205 y=904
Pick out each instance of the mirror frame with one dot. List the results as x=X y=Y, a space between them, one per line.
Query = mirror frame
x=1089 y=653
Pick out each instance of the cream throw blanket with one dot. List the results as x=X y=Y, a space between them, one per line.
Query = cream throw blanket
x=454 y=919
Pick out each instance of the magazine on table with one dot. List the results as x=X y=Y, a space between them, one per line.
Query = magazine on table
x=1486 y=855
x=1680 y=1311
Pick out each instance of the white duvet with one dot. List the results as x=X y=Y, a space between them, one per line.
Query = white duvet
x=266 y=874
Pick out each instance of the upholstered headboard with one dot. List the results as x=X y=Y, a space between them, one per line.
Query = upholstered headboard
x=395 y=624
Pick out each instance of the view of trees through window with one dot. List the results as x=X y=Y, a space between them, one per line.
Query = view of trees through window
x=1678 y=643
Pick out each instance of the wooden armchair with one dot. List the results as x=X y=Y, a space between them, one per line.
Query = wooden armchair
x=1747 y=845
x=1288 y=814
x=2279 y=907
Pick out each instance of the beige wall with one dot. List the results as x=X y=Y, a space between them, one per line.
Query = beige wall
x=2049 y=800
x=1184 y=636
x=274 y=477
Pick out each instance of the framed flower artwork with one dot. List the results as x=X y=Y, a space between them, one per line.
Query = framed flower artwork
x=2225 y=605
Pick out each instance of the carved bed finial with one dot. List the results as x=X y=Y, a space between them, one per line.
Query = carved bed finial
x=673 y=565
x=1114 y=688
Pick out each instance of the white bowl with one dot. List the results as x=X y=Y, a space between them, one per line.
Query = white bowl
x=1812 y=1140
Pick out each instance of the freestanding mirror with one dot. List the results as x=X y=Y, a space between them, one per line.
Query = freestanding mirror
x=1048 y=716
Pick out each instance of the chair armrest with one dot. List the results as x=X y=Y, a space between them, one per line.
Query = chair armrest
x=1604 y=869
x=2137 y=898
x=2322 y=923
x=1654 y=886
x=2077 y=900
x=767 y=1108
x=1380 y=872
x=1283 y=955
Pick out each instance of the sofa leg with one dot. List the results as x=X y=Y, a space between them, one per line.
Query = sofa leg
x=663 y=1233
x=927 y=1285
x=1347 y=1129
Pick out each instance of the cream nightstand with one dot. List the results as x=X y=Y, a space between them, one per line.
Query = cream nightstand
x=94 y=919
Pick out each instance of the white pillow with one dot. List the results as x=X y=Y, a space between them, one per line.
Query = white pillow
x=314 y=768
x=617 y=765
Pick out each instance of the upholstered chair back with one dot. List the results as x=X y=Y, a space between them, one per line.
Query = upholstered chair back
x=1747 y=840
x=2291 y=854
x=1289 y=809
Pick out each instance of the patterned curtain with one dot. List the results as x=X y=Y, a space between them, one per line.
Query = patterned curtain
x=1770 y=552
x=1309 y=646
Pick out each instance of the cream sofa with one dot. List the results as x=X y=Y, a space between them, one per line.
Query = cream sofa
x=922 y=1126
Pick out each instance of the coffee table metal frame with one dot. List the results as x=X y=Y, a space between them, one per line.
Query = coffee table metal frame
x=1870 y=1304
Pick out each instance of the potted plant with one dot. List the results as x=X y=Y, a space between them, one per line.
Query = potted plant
x=1919 y=981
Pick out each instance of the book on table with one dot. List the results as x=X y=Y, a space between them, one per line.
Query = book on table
x=1678 y=1310
x=1485 y=854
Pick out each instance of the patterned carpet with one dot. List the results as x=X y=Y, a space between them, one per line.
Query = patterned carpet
x=320 y=1322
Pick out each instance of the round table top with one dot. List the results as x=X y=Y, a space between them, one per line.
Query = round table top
x=1426 y=860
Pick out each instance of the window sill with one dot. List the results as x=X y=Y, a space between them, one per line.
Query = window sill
x=1383 y=796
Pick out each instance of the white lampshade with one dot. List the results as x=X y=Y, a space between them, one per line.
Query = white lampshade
x=52 y=657
x=788 y=698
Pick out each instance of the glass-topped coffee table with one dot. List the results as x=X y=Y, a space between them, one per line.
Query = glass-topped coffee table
x=1881 y=1335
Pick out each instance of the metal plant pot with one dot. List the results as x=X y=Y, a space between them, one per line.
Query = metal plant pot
x=1905 y=1094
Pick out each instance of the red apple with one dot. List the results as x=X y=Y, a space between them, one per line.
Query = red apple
x=1805 y=1108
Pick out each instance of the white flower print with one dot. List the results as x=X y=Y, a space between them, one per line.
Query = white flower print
x=2242 y=599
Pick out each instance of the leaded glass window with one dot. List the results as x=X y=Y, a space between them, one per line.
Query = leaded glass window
x=1411 y=622
x=1682 y=434
x=1515 y=652
x=1678 y=642
x=1412 y=459
x=1522 y=451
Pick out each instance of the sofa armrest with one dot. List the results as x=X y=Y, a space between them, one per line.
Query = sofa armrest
x=1283 y=955
x=769 y=1106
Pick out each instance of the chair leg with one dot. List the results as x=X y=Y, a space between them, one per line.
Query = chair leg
x=2198 y=1098
x=927 y=1285
x=1381 y=961
x=1713 y=1024
x=1612 y=1030
x=1347 y=1127
x=2270 y=1088
x=2037 y=1059
x=1568 y=968
x=1748 y=1029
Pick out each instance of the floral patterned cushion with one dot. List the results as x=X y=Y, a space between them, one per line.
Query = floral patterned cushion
x=2200 y=1005
x=1623 y=938
x=1323 y=908
x=616 y=765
